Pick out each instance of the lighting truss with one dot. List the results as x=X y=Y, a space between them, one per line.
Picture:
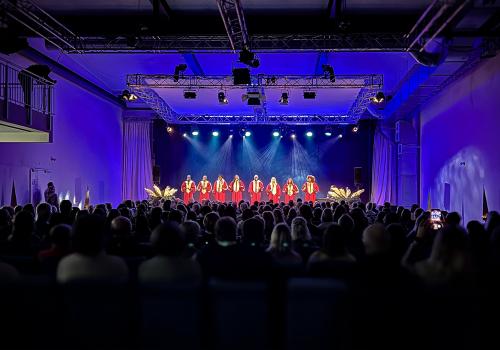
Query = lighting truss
x=268 y=119
x=366 y=81
x=32 y=17
x=234 y=22
x=361 y=42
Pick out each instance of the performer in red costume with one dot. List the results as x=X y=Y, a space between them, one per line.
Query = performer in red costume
x=273 y=190
x=236 y=187
x=255 y=188
x=290 y=189
x=204 y=187
x=310 y=188
x=188 y=188
x=220 y=188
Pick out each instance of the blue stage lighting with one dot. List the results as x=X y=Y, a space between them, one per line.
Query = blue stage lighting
x=340 y=136
x=293 y=136
x=215 y=133
x=248 y=133
x=184 y=135
x=276 y=133
x=195 y=132
x=328 y=133
x=309 y=134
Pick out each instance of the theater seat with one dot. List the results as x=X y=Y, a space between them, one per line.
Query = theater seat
x=100 y=315
x=171 y=316
x=317 y=312
x=239 y=315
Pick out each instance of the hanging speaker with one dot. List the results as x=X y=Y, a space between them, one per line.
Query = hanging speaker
x=358 y=175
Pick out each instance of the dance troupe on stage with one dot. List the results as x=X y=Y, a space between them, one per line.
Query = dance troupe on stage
x=255 y=189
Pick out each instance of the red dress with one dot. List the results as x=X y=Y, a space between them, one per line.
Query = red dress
x=236 y=188
x=310 y=189
x=255 y=188
x=204 y=187
x=220 y=188
x=188 y=188
x=290 y=191
x=274 y=194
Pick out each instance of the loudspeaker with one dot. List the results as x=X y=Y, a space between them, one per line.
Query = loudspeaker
x=358 y=175
x=156 y=174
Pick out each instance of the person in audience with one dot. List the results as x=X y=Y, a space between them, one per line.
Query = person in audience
x=22 y=241
x=326 y=220
x=226 y=258
x=89 y=262
x=268 y=223
x=42 y=227
x=192 y=234
x=301 y=238
x=169 y=265
x=281 y=248
x=333 y=248
x=122 y=242
x=60 y=246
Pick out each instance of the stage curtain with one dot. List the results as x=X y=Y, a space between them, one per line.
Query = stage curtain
x=137 y=163
x=382 y=168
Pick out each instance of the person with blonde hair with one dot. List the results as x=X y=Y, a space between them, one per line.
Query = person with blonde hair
x=280 y=247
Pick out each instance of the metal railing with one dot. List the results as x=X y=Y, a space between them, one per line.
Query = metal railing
x=23 y=88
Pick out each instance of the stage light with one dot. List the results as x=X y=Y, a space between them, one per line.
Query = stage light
x=309 y=95
x=379 y=97
x=355 y=129
x=215 y=133
x=293 y=136
x=328 y=131
x=231 y=136
x=170 y=129
x=276 y=133
x=189 y=94
x=284 y=98
x=340 y=136
x=222 y=98
x=241 y=76
x=247 y=57
x=128 y=96
x=184 y=135
x=248 y=133
x=179 y=69
x=195 y=132
x=309 y=133
x=328 y=72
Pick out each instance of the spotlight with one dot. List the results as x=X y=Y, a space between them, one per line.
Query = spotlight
x=379 y=97
x=248 y=133
x=195 y=132
x=340 y=136
x=222 y=98
x=179 y=69
x=241 y=76
x=355 y=128
x=309 y=95
x=215 y=133
x=170 y=129
x=309 y=133
x=293 y=136
x=328 y=131
x=184 y=135
x=231 y=136
x=276 y=133
x=328 y=72
x=247 y=57
x=284 y=98
x=128 y=96
x=189 y=94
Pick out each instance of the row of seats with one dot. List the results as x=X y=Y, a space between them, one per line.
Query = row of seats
x=301 y=313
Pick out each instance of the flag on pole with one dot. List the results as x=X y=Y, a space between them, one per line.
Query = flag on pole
x=429 y=203
x=86 y=203
x=13 y=197
x=485 y=205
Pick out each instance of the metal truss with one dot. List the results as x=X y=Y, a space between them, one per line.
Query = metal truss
x=362 y=101
x=156 y=103
x=32 y=17
x=367 y=81
x=234 y=22
x=259 y=43
x=268 y=120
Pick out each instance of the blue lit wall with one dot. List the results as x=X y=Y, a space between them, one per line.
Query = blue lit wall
x=330 y=159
